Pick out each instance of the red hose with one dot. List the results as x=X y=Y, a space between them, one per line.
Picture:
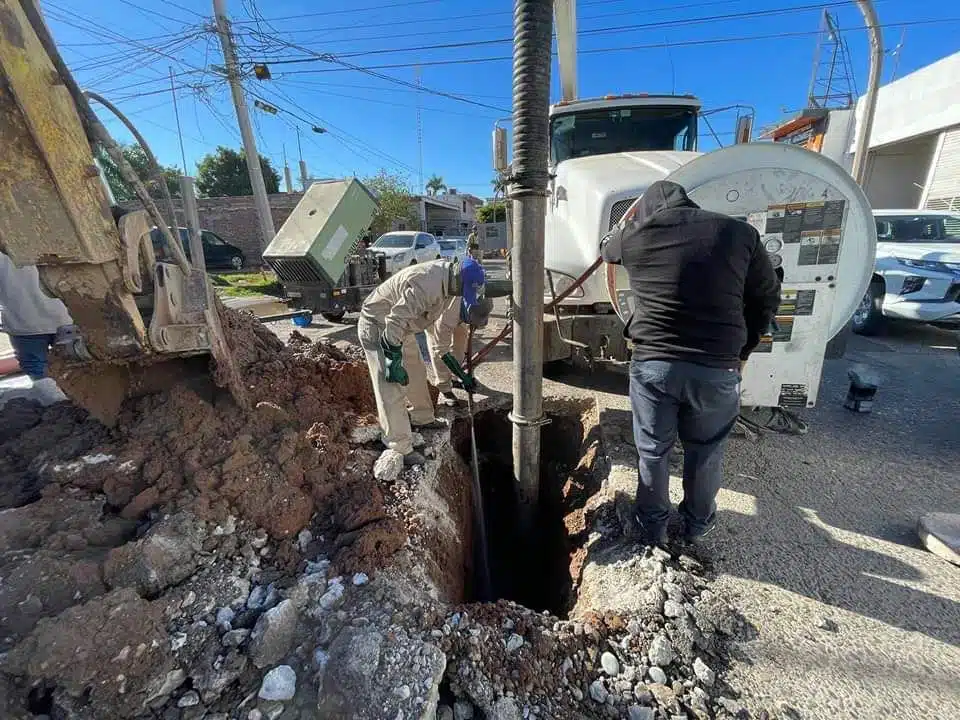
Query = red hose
x=508 y=328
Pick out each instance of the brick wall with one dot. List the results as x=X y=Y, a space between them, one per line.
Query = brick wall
x=235 y=219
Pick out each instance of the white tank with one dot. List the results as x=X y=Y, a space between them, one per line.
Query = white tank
x=817 y=226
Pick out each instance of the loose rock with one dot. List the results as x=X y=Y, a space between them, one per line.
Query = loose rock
x=273 y=635
x=661 y=652
x=610 y=664
x=388 y=466
x=514 y=642
x=279 y=684
x=657 y=675
x=598 y=692
x=703 y=672
x=638 y=712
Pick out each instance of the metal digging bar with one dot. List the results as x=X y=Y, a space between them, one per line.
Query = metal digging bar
x=484 y=593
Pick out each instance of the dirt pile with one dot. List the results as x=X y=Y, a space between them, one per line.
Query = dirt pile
x=109 y=535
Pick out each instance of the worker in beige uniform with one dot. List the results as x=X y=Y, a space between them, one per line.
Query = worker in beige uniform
x=406 y=303
x=449 y=334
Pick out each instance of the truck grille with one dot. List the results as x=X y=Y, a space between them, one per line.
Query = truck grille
x=294 y=270
x=617 y=211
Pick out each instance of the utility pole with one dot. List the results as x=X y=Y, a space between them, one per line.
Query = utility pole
x=287 y=180
x=303 y=165
x=260 y=200
x=532 y=37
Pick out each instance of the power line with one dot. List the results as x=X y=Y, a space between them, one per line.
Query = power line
x=595 y=31
x=418 y=87
x=472 y=16
x=152 y=12
x=396 y=104
x=593 y=51
x=391 y=6
x=327 y=126
x=101 y=43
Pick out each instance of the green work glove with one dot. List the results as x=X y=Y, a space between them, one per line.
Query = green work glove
x=393 y=359
x=468 y=381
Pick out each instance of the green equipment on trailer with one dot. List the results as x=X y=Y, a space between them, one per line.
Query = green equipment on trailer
x=317 y=254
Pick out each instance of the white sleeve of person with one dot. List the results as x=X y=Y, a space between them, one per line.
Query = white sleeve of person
x=422 y=295
x=25 y=309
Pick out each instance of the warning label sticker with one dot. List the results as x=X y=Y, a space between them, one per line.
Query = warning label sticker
x=819 y=247
x=793 y=396
x=797 y=302
x=799 y=220
x=804 y=301
x=784 y=331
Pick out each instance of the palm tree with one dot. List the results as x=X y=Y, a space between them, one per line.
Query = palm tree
x=435 y=185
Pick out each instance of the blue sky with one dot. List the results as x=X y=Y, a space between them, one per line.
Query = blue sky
x=724 y=51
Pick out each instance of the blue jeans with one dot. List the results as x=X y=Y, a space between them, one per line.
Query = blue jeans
x=422 y=343
x=31 y=352
x=698 y=403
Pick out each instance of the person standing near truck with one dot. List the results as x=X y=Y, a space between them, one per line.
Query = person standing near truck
x=704 y=292
x=406 y=303
x=473 y=244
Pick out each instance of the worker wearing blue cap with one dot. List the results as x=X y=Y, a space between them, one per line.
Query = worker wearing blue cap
x=411 y=301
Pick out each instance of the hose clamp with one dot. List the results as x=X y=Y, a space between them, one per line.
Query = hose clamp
x=528 y=422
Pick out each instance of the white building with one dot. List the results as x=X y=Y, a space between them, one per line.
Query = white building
x=914 y=150
x=452 y=214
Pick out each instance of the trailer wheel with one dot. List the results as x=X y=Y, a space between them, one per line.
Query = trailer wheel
x=335 y=316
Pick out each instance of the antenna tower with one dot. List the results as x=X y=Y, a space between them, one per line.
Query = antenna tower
x=832 y=83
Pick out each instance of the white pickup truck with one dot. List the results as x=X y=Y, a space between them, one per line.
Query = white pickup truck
x=917 y=271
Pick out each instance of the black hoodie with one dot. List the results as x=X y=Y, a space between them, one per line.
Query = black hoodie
x=704 y=289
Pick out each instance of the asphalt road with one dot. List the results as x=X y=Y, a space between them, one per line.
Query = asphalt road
x=816 y=545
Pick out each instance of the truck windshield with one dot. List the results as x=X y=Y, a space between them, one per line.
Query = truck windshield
x=598 y=132
x=391 y=240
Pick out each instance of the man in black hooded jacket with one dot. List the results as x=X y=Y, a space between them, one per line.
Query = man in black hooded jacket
x=704 y=291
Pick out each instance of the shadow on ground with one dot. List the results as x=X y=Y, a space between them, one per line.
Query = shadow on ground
x=831 y=514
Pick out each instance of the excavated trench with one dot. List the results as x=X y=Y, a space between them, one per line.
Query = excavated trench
x=542 y=572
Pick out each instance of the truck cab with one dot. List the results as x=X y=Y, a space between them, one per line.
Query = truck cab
x=604 y=153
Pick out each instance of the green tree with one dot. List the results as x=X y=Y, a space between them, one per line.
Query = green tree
x=224 y=174
x=395 y=199
x=137 y=158
x=492 y=212
x=435 y=185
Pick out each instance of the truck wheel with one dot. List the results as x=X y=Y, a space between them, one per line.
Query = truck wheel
x=335 y=316
x=868 y=317
x=236 y=262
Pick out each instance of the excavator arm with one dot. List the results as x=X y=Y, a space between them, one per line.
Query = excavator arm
x=54 y=213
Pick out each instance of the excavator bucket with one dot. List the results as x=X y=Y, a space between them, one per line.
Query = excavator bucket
x=53 y=211
x=54 y=214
